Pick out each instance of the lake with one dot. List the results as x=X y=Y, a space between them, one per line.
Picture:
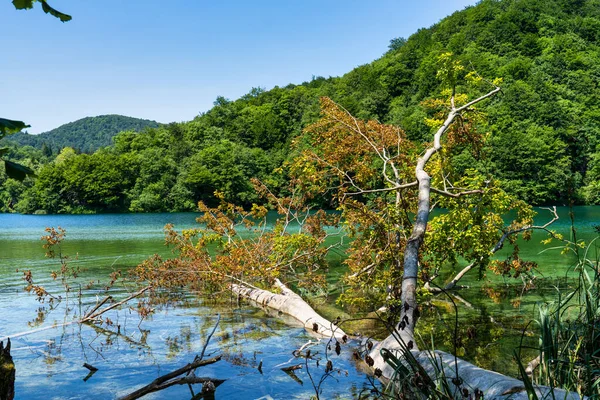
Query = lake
x=131 y=353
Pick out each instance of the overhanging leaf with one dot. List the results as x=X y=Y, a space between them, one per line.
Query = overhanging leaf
x=3 y=151
x=17 y=171
x=23 y=4
x=8 y=126
x=52 y=11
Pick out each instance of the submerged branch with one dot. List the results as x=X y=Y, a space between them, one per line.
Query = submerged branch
x=170 y=379
x=89 y=317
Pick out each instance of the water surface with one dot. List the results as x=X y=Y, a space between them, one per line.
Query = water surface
x=130 y=352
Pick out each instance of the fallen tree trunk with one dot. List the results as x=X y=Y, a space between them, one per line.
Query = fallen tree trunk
x=173 y=378
x=291 y=304
x=459 y=374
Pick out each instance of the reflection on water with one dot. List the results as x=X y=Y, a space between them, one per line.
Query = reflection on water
x=130 y=352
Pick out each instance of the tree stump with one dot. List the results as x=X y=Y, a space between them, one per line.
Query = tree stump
x=7 y=373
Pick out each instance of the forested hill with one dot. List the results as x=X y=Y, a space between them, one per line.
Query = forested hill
x=544 y=130
x=86 y=135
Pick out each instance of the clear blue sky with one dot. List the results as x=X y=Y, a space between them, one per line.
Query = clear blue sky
x=168 y=60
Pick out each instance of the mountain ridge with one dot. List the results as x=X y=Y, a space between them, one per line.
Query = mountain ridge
x=86 y=134
x=543 y=130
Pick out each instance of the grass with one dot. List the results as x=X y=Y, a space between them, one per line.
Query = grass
x=569 y=330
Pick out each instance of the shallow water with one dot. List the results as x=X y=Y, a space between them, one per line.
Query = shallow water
x=130 y=353
x=495 y=316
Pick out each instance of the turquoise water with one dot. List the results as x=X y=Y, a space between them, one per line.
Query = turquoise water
x=496 y=316
x=130 y=352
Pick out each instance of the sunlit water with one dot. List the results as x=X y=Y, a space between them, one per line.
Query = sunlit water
x=130 y=353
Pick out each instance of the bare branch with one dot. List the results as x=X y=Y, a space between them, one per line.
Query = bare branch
x=477 y=100
x=456 y=195
x=382 y=190
x=164 y=381
x=96 y=315
x=452 y=284
x=97 y=306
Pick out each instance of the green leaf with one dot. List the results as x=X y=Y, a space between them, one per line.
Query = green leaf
x=17 y=171
x=531 y=394
x=8 y=126
x=23 y=4
x=3 y=151
x=52 y=11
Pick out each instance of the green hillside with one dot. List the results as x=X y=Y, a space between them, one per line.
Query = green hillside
x=86 y=135
x=544 y=130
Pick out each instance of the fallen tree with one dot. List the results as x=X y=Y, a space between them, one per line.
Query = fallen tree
x=461 y=378
x=293 y=305
x=369 y=168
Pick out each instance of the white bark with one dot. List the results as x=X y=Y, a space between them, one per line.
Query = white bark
x=291 y=304
x=493 y=385
x=408 y=314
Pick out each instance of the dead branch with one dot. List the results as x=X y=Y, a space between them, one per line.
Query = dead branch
x=210 y=335
x=292 y=368
x=532 y=365
x=87 y=318
x=96 y=315
x=170 y=379
x=97 y=306
x=456 y=195
x=388 y=189
x=90 y=367
x=499 y=245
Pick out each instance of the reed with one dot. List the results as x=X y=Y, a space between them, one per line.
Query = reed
x=569 y=330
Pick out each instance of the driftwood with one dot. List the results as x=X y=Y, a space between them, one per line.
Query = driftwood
x=89 y=317
x=209 y=385
x=93 y=315
x=438 y=364
x=173 y=378
x=7 y=373
x=291 y=304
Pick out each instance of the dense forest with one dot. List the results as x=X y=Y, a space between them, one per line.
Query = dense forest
x=544 y=129
x=85 y=135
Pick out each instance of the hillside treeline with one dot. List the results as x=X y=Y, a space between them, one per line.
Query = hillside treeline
x=544 y=130
x=85 y=135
